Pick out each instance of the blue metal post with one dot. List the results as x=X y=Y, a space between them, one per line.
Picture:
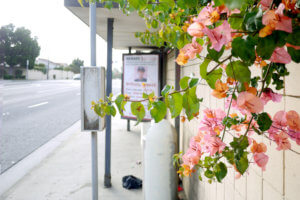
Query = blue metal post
x=128 y=120
x=107 y=175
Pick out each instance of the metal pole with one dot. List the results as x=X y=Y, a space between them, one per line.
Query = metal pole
x=27 y=64
x=128 y=120
x=177 y=87
x=107 y=175
x=94 y=151
x=94 y=147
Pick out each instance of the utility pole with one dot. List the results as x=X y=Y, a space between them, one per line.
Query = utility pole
x=48 y=70
x=27 y=65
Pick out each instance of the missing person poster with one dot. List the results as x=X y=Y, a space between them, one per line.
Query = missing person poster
x=140 y=75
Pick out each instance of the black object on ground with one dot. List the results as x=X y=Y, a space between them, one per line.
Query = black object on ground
x=132 y=182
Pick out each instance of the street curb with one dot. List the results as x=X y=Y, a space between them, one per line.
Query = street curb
x=19 y=170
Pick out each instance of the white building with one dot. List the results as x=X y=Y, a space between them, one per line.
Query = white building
x=47 y=63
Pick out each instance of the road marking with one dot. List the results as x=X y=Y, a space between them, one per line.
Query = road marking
x=39 y=104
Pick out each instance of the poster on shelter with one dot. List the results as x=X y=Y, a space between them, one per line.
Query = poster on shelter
x=140 y=75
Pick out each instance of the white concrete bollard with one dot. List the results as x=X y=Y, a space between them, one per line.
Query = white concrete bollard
x=160 y=179
x=144 y=129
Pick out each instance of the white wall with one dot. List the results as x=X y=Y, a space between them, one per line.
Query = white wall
x=38 y=75
x=280 y=181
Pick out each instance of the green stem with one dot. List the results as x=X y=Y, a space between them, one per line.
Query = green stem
x=229 y=57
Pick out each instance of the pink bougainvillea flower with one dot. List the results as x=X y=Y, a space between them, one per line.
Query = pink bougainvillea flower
x=250 y=102
x=280 y=55
x=293 y=120
x=219 y=36
x=195 y=29
x=279 y=123
x=212 y=121
x=265 y=4
x=275 y=20
x=258 y=147
x=191 y=158
x=261 y=159
x=280 y=118
x=293 y=46
x=282 y=141
x=187 y=171
x=268 y=95
x=213 y=144
x=220 y=90
x=192 y=49
x=208 y=15
x=189 y=51
x=294 y=135
x=290 y=5
x=195 y=142
x=182 y=59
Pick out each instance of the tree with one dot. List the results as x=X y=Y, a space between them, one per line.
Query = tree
x=234 y=36
x=116 y=74
x=75 y=65
x=17 y=46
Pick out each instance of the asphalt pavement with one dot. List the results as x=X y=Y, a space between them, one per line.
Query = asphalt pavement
x=33 y=112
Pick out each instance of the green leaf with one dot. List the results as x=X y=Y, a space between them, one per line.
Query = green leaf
x=191 y=103
x=253 y=20
x=138 y=4
x=219 y=2
x=193 y=82
x=110 y=110
x=235 y=21
x=98 y=110
x=220 y=171
x=175 y=104
x=294 y=37
x=295 y=54
x=232 y=4
x=213 y=54
x=120 y=103
x=169 y=3
x=187 y=3
x=279 y=38
x=212 y=77
x=264 y=121
x=242 y=163
x=166 y=90
x=243 y=49
x=184 y=82
x=265 y=47
x=154 y=24
x=158 y=111
x=209 y=174
x=229 y=155
x=203 y=68
x=80 y=2
x=239 y=71
x=138 y=109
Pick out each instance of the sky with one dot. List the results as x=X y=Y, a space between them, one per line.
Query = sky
x=61 y=35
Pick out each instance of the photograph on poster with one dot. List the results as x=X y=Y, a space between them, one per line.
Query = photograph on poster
x=140 y=75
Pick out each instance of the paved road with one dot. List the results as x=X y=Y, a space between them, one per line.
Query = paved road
x=33 y=112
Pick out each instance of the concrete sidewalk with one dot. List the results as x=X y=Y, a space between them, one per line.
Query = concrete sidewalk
x=66 y=173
